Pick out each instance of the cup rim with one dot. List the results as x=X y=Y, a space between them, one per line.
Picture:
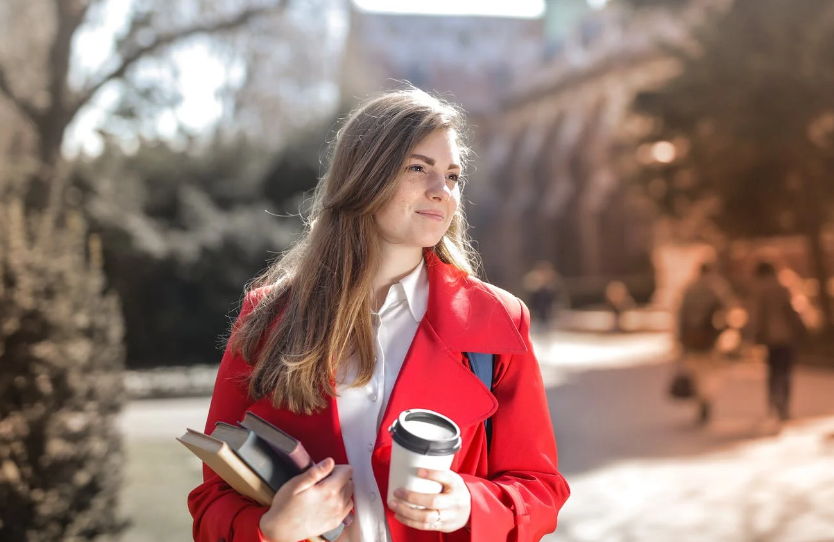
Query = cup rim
x=408 y=440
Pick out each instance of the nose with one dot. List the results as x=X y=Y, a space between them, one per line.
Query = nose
x=438 y=189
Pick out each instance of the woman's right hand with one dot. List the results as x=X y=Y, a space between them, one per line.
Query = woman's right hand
x=310 y=504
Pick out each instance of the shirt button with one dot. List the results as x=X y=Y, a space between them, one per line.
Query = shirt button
x=370 y=447
x=373 y=496
x=374 y=397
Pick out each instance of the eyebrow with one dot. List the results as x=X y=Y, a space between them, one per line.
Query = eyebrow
x=431 y=161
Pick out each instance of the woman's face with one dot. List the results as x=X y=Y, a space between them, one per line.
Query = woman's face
x=427 y=194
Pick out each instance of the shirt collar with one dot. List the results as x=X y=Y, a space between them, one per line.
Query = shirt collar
x=416 y=287
x=413 y=289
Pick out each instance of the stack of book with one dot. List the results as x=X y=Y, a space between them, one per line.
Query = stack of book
x=255 y=458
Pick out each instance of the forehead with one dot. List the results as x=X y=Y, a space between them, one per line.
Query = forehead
x=440 y=144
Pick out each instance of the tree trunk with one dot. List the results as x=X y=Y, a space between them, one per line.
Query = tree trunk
x=44 y=194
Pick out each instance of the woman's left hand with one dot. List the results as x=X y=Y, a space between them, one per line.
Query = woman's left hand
x=446 y=511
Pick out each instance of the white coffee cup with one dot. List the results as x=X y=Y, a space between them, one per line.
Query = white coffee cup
x=421 y=439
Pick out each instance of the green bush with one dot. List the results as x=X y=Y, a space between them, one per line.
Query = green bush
x=183 y=232
x=61 y=365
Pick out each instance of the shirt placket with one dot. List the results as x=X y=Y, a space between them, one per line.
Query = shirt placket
x=376 y=401
x=375 y=397
x=381 y=370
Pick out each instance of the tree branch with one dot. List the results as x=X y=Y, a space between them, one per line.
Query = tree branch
x=169 y=39
x=28 y=110
x=70 y=15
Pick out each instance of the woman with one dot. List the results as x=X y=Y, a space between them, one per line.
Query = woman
x=370 y=314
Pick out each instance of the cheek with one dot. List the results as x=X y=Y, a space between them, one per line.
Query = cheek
x=388 y=217
x=454 y=202
x=451 y=210
x=394 y=209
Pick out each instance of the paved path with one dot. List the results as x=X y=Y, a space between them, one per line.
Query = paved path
x=639 y=469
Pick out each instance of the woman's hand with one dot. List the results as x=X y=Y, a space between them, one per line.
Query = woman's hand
x=310 y=504
x=446 y=511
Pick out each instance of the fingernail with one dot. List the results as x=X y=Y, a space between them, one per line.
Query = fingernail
x=400 y=493
x=392 y=503
x=423 y=473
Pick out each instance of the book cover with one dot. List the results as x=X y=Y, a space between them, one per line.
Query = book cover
x=289 y=448
x=256 y=453
x=220 y=458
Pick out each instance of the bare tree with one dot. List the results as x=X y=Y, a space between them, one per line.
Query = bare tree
x=61 y=350
x=51 y=118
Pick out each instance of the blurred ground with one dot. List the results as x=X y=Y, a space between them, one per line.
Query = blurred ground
x=641 y=471
x=638 y=468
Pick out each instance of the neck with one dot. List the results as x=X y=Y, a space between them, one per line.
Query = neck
x=394 y=264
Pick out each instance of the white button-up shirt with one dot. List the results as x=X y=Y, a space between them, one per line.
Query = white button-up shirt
x=361 y=409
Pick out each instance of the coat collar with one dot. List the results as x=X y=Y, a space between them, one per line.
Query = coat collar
x=466 y=314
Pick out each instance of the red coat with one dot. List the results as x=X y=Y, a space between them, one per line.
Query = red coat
x=516 y=492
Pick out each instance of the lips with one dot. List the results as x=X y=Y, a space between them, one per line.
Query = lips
x=435 y=215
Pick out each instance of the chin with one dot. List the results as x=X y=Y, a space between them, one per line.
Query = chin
x=430 y=242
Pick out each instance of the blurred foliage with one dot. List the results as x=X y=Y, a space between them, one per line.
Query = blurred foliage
x=745 y=134
x=296 y=169
x=60 y=380
x=184 y=231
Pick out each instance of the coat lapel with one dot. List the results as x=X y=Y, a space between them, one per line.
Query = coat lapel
x=463 y=315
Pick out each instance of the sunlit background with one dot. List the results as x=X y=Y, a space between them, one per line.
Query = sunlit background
x=155 y=155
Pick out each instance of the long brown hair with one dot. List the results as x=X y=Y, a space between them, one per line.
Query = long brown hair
x=315 y=309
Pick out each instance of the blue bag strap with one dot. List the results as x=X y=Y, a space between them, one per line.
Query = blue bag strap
x=482 y=365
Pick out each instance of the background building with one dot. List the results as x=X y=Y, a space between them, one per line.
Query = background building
x=474 y=60
x=552 y=166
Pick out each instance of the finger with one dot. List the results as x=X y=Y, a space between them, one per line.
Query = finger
x=437 y=501
x=313 y=475
x=347 y=491
x=444 y=477
x=414 y=524
x=415 y=515
x=339 y=477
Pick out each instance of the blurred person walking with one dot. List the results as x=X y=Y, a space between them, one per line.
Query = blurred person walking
x=775 y=324
x=546 y=293
x=699 y=326
x=618 y=300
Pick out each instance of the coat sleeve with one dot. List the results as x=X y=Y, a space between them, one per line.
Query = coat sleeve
x=524 y=491
x=220 y=513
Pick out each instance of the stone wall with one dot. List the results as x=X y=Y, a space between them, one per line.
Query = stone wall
x=552 y=187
